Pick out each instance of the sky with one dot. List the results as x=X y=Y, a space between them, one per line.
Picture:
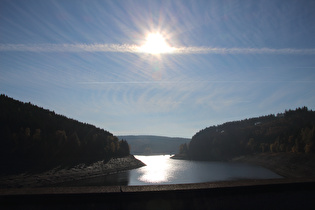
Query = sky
x=229 y=60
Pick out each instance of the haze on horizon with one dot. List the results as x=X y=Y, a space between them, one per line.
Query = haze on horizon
x=216 y=61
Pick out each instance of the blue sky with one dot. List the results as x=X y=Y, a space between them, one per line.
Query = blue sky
x=232 y=60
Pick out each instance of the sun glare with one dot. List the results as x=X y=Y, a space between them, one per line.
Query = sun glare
x=157 y=170
x=155 y=44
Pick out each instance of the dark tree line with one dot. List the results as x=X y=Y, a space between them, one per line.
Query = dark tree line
x=291 y=132
x=32 y=138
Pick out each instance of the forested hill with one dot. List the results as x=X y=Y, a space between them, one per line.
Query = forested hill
x=292 y=131
x=149 y=145
x=33 y=137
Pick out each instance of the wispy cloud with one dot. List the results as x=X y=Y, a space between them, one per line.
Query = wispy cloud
x=214 y=50
x=126 y=48
x=68 y=47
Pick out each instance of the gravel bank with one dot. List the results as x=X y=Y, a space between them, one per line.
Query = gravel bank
x=78 y=172
x=288 y=165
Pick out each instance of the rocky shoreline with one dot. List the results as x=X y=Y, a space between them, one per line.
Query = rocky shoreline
x=60 y=175
x=288 y=165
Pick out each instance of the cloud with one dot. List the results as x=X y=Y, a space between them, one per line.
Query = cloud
x=68 y=47
x=209 y=50
x=126 y=48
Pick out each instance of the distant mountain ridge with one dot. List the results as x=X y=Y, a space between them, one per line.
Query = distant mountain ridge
x=150 y=144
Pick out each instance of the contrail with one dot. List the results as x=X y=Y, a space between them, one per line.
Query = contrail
x=215 y=50
x=126 y=48
x=68 y=48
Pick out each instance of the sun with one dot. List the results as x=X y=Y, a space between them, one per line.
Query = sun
x=156 y=44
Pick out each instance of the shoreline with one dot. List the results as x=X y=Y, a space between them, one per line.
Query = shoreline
x=78 y=172
x=179 y=157
x=287 y=165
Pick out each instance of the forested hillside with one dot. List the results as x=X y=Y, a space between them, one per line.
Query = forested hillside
x=291 y=132
x=32 y=138
x=149 y=145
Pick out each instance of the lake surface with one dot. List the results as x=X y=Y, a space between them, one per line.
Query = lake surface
x=164 y=170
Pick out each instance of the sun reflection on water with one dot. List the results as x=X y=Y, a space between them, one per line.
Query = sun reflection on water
x=157 y=170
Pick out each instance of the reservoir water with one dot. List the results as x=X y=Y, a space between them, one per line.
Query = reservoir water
x=162 y=169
